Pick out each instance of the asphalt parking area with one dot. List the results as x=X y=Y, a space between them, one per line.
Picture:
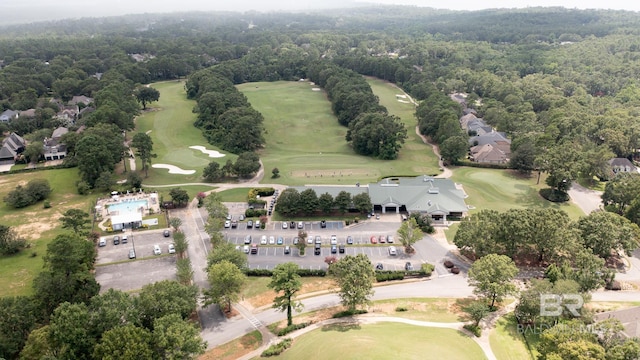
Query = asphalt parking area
x=134 y=274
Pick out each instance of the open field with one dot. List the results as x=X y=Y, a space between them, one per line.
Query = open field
x=306 y=143
x=502 y=190
x=383 y=341
x=423 y=309
x=506 y=342
x=38 y=225
x=169 y=122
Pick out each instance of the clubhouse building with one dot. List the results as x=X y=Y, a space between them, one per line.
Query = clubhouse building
x=439 y=198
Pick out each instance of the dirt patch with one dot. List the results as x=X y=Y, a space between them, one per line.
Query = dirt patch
x=231 y=313
x=234 y=349
x=309 y=286
x=310 y=318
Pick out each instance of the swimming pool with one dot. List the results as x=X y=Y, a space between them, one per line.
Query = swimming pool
x=128 y=206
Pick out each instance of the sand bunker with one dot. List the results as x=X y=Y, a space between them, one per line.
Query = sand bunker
x=401 y=96
x=211 y=153
x=173 y=169
x=404 y=101
x=316 y=89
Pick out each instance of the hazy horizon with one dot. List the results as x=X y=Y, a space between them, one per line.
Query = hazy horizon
x=44 y=10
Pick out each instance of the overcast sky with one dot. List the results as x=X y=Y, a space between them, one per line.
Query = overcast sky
x=20 y=11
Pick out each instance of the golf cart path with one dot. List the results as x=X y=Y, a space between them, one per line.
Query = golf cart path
x=586 y=199
x=373 y=319
x=446 y=172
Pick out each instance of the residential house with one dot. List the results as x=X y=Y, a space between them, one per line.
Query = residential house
x=622 y=165
x=477 y=127
x=68 y=115
x=630 y=319
x=53 y=149
x=493 y=147
x=29 y=113
x=81 y=100
x=8 y=115
x=12 y=146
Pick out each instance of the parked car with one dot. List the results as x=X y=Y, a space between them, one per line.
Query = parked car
x=241 y=217
x=280 y=240
x=341 y=248
x=334 y=249
x=227 y=224
x=229 y=217
x=247 y=239
x=287 y=249
x=125 y=239
x=257 y=224
x=285 y=225
x=172 y=249
x=272 y=240
x=295 y=240
x=156 y=250
x=300 y=225
x=317 y=249
x=292 y=225
x=249 y=224
x=166 y=233
x=323 y=224
x=378 y=216
x=254 y=249
x=263 y=240
x=349 y=240
x=234 y=224
x=408 y=266
x=246 y=249
x=334 y=240
x=374 y=239
x=132 y=254
x=102 y=242
x=116 y=240
x=318 y=239
x=379 y=266
x=309 y=239
x=382 y=239
x=393 y=251
x=390 y=239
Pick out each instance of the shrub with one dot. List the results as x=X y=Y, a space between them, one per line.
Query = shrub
x=82 y=187
x=277 y=349
x=347 y=313
x=427 y=269
x=46 y=204
x=389 y=275
x=475 y=330
x=448 y=264
x=34 y=191
x=614 y=285
x=292 y=328
x=301 y=272
x=455 y=270
x=554 y=195
x=401 y=309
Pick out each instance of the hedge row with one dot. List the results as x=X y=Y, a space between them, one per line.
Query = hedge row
x=277 y=349
x=346 y=313
x=25 y=170
x=254 y=213
x=301 y=272
x=292 y=328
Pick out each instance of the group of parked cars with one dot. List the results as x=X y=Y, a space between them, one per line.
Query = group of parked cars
x=124 y=239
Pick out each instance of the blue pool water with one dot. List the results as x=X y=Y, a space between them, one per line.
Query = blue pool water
x=128 y=206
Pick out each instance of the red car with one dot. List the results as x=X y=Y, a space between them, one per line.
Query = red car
x=374 y=239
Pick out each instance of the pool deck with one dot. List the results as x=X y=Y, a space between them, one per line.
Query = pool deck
x=102 y=205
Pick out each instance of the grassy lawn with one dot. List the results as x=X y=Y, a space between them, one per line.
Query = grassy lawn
x=383 y=341
x=36 y=224
x=235 y=195
x=192 y=190
x=426 y=309
x=235 y=348
x=506 y=342
x=170 y=125
x=502 y=190
x=258 y=294
x=306 y=143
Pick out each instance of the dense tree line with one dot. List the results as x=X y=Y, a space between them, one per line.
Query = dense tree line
x=292 y=202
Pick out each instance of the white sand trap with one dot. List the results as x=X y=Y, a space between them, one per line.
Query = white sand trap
x=311 y=83
x=148 y=132
x=401 y=96
x=404 y=101
x=316 y=89
x=173 y=169
x=211 y=153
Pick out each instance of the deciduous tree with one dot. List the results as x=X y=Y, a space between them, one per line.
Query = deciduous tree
x=144 y=150
x=176 y=338
x=125 y=343
x=163 y=298
x=492 y=277
x=285 y=281
x=354 y=276
x=408 y=234
x=226 y=282
x=76 y=220
x=146 y=94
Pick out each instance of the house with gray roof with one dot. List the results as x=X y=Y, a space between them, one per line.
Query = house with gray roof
x=8 y=115
x=622 y=165
x=630 y=319
x=81 y=100
x=12 y=146
x=439 y=198
x=493 y=147
x=53 y=148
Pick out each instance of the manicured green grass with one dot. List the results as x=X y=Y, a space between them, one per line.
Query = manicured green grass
x=502 y=190
x=172 y=132
x=383 y=341
x=192 y=190
x=36 y=224
x=506 y=342
x=306 y=143
x=235 y=195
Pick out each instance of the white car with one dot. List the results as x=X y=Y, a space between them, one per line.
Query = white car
x=257 y=224
x=390 y=239
x=285 y=225
x=172 y=249
x=157 y=250
x=309 y=239
x=393 y=251
x=227 y=224
x=246 y=249
x=334 y=240
x=263 y=240
x=272 y=240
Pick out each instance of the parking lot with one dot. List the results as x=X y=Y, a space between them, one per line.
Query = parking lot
x=116 y=271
